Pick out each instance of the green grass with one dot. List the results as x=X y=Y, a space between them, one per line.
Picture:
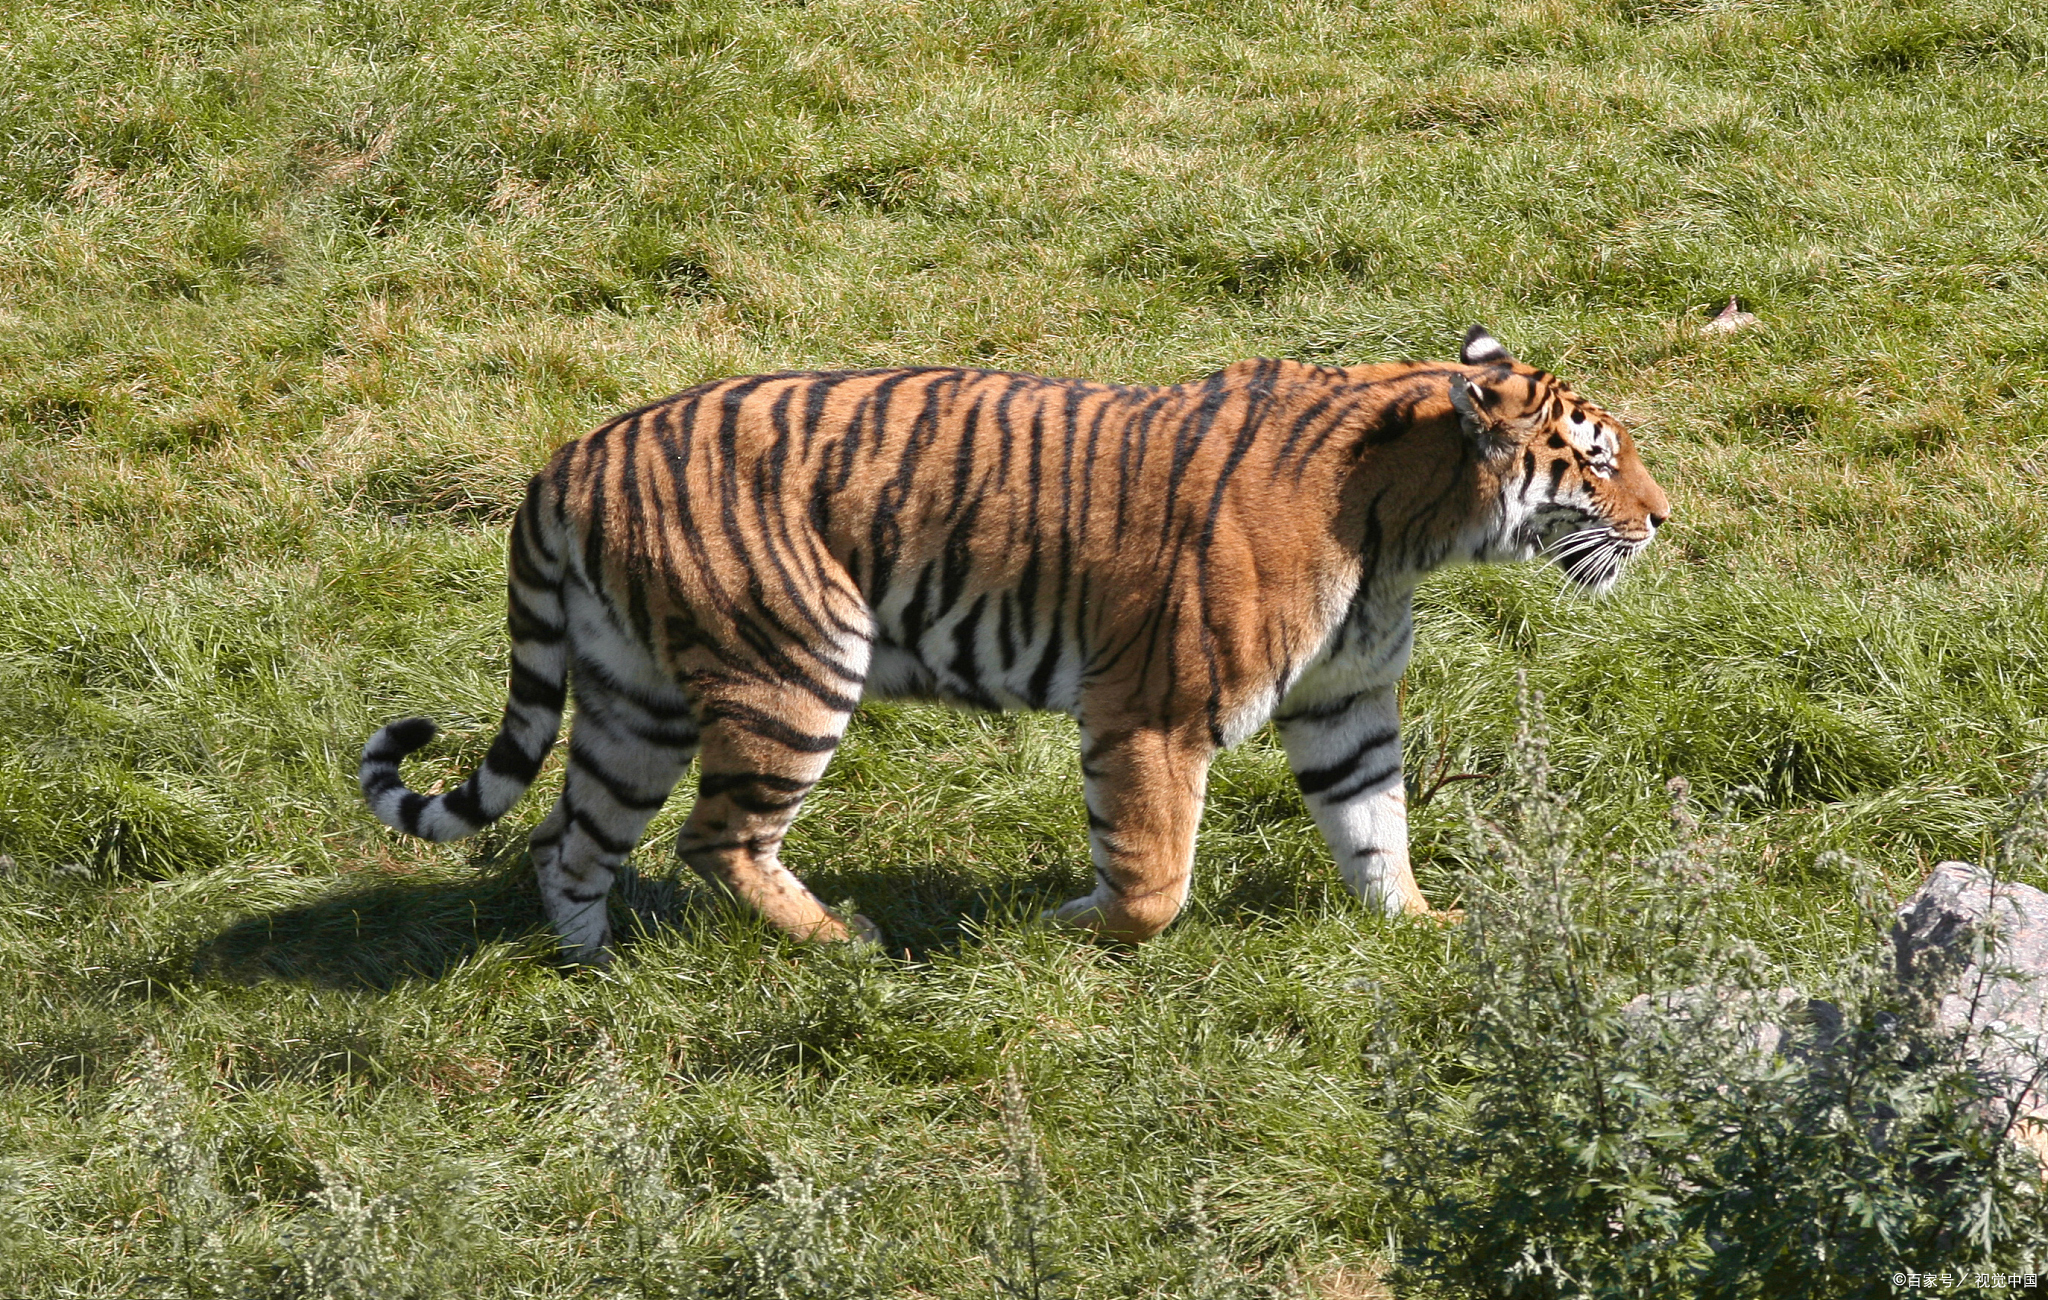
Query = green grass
x=292 y=298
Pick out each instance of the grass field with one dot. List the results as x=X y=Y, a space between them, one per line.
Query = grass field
x=293 y=297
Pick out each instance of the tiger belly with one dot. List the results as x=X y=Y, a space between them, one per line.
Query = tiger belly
x=969 y=663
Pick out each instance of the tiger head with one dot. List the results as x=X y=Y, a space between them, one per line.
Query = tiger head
x=1572 y=486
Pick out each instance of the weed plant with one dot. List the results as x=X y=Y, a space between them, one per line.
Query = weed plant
x=178 y=1165
x=651 y=1217
x=415 y=1240
x=795 y=1245
x=294 y=294
x=1023 y=1248
x=1644 y=1115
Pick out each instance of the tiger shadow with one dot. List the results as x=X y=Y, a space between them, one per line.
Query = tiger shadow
x=379 y=936
x=924 y=909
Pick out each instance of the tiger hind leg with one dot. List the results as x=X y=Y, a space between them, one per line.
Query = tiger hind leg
x=764 y=749
x=1144 y=794
x=626 y=752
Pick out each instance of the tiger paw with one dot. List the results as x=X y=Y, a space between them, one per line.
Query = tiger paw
x=1075 y=916
x=1066 y=916
x=1121 y=919
x=860 y=930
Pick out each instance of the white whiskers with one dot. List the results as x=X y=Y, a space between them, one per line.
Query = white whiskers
x=1593 y=557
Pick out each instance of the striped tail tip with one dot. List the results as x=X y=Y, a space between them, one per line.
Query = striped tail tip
x=396 y=806
x=393 y=743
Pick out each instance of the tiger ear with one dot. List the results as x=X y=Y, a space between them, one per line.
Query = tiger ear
x=1471 y=401
x=1482 y=348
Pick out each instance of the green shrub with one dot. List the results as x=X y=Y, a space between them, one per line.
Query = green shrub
x=1621 y=1119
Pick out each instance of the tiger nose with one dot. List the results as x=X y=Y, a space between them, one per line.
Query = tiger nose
x=1657 y=521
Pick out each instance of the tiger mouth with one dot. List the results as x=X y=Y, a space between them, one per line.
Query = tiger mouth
x=1593 y=557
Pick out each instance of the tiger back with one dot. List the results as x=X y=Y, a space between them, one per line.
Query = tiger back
x=724 y=575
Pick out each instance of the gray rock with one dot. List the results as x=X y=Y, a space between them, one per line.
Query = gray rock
x=1967 y=955
x=1979 y=955
x=1769 y=1022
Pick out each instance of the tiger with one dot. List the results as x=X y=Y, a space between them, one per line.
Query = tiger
x=724 y=575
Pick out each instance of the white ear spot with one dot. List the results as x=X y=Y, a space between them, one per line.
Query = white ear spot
x=1481 y=347
x=1462 y=391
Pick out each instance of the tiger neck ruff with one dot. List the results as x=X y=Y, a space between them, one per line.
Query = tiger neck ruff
x=725 y=574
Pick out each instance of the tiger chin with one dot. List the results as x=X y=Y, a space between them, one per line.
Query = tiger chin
x=724 y=575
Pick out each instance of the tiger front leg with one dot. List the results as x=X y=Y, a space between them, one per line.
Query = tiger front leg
x=1144 y=794
x=1346 y=757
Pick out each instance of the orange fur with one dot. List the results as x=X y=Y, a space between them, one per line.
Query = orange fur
x=734 y=567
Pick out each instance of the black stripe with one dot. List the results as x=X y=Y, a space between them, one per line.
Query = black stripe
x=1027 y=594
x=598 y=836
x=1097 y=746
x=590 y=673
x=1396 y=418
x=957 y=559
x=713 y=784
x=1321 y=712
x=769 y=727
x=409 y=810
x=581 y=761
x=1300 y=426
x=597 y=453
x=1041 y=676
x=507 y=759
x=761 y=806
x=1007 y=433
x=1188 y=436
x=525 y=570
x=635 y=535
x=1006 y=640
x=772 y=646
x=679 y=733
x=885 y=533
x=526 y=524
x=963 y=665
x=739 y=788
x=910 y=627
x=522 y=624
x=1352 y=789
x=464 y=802
x=530 y=688
x=752 y=845
x=401 y=738
x=1255 y=418
x=963 y=455
x=1318 y=779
